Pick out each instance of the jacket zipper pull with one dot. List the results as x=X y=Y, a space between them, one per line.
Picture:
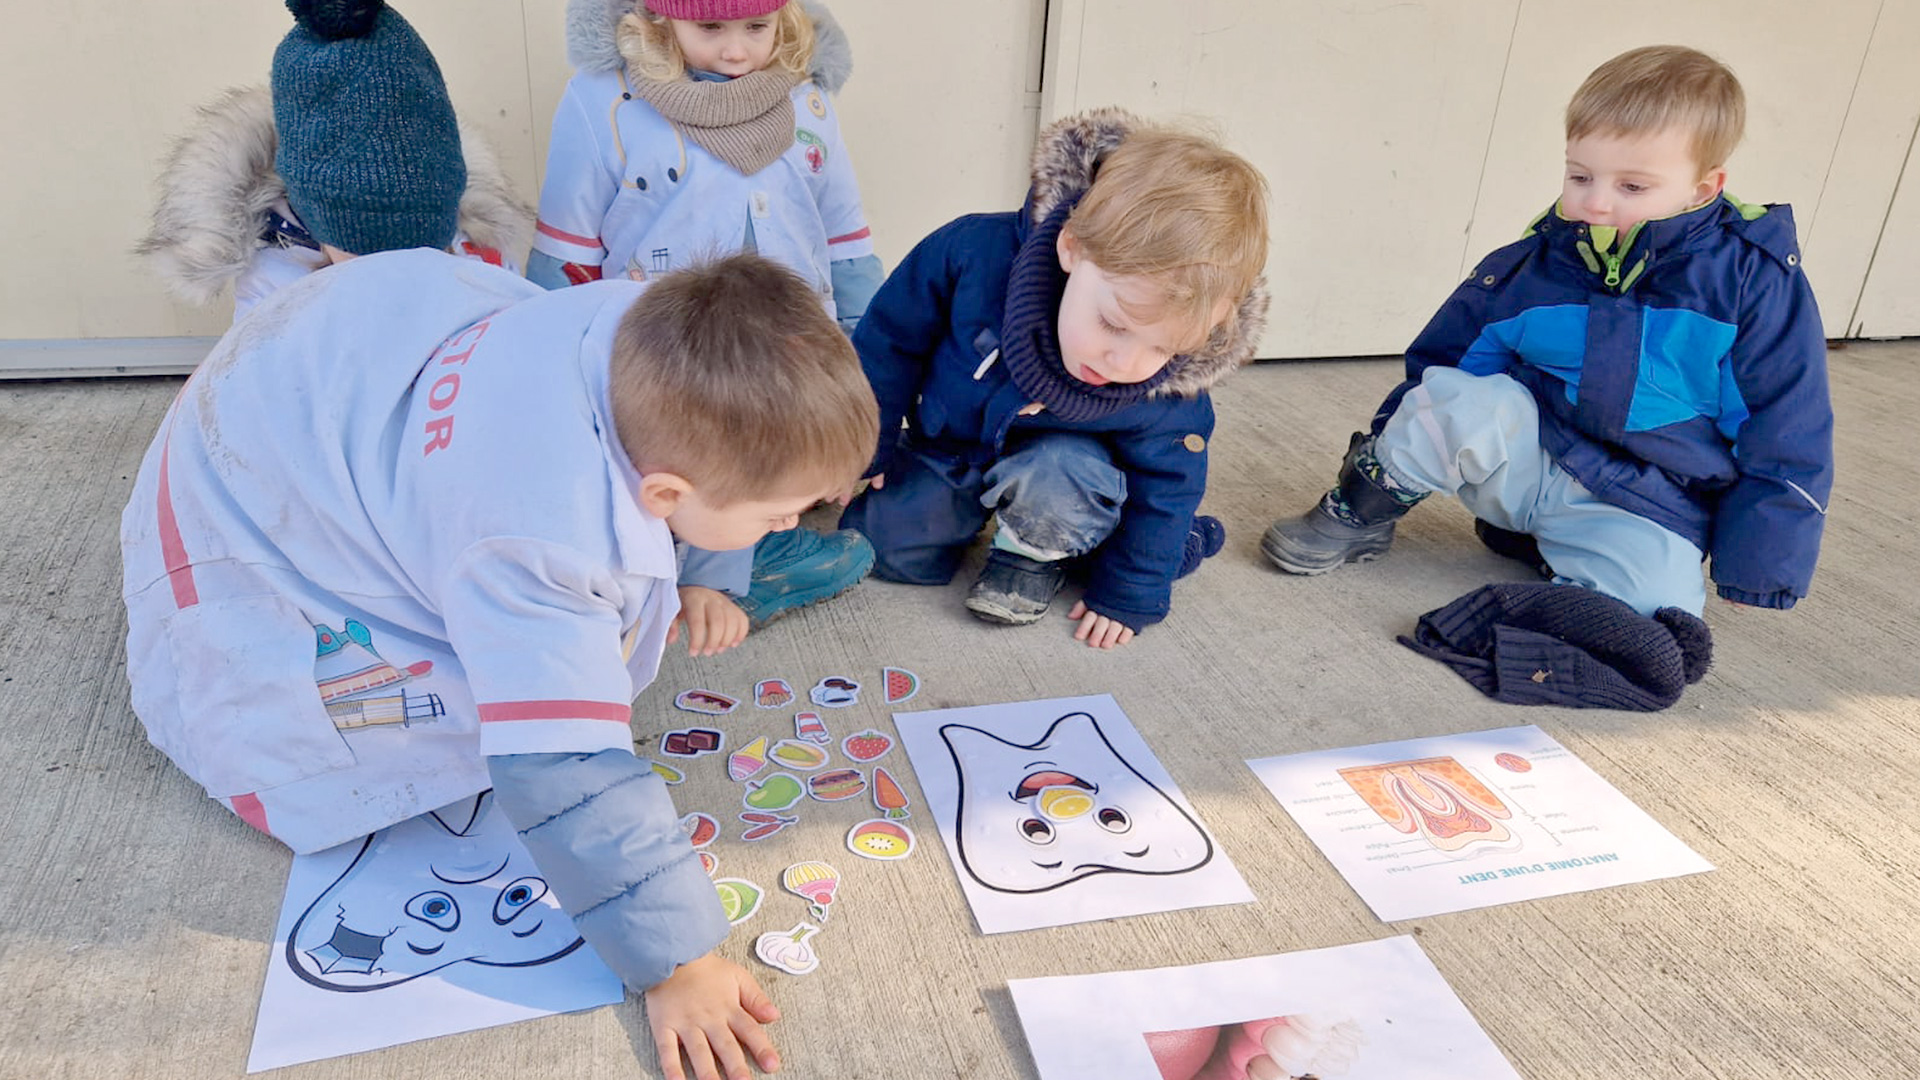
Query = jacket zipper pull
x=1613 y=270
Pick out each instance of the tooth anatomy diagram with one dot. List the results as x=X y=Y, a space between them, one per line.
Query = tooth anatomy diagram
x=1438 y=800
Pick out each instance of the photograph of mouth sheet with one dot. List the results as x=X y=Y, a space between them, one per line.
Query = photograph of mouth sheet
x=1055 y=812
x=1378 y=1010
x=1428 y=826
x=439 y=924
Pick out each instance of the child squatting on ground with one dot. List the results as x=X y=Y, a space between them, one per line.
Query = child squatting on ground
x=359 y=587
x=694 y=128
x=1052 y=366
x=1637 y=384
x=355 y=150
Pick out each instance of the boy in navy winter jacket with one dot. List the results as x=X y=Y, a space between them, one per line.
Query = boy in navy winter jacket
x=1638 y=384
x=1052 y=365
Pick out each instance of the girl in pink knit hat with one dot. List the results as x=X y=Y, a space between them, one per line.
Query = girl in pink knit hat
x=694 y=129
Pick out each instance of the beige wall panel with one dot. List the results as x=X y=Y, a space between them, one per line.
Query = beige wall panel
x=1889 y=303
x=1369 y=118
x=1842 y=240
x=939 y=124
x=98 y=90
x=1796 y=62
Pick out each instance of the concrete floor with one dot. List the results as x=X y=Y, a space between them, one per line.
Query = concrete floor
x=135 y=915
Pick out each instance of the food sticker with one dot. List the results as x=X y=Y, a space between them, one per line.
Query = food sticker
x=771 y=693
x=705 y=701
x=836 y=784
x=709 y=863
x=776 y=792
x=881 y=839
x=794 y=754
x=762 y=825
x=789 y=950
x=901 y=684
x=816 y=883
x=835 y=692
x=667 y=772
x=692 y=742
x=700 y=828
x=808 y=726
x=887 y=796
x=740 y=899
x=747 y=760
x=866 y=745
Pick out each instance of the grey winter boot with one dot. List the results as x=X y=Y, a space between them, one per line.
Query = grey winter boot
x=1351 y=523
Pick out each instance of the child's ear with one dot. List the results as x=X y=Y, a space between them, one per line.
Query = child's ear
x=1069 y=249
x=662 y=492
x=1710 y=186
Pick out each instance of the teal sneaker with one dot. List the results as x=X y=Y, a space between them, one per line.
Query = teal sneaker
x=798 y=567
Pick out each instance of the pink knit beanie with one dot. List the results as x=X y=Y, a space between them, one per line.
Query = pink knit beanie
x=714 y=10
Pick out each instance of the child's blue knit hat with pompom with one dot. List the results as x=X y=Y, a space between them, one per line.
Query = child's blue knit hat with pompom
x=369 y=149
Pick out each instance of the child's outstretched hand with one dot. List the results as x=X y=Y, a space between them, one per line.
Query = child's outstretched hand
x=714 y=623
x=1096 y=629
x=712 y=1010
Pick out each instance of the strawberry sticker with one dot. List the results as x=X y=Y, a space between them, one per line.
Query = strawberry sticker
x=866 y=745
x=901 y=684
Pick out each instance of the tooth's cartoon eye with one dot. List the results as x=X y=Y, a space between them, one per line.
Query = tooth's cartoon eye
x=1113 y=819
x=435 y=909
x=515 y=898
x=1036 y=831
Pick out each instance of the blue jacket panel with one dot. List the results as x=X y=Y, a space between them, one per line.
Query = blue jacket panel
x=929 y=343
x=1680 y=375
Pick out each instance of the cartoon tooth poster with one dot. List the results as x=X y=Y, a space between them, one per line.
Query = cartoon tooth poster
x=436 y=925
x=1056 y=812
x=1428 y=826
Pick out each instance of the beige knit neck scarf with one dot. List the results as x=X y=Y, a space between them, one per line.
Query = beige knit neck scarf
x=746 y=122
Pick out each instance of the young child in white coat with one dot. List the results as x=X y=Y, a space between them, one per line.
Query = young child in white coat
x=701 y=127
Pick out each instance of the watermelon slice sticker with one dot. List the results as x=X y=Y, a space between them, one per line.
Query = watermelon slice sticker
x=700 y=828
x=901 y=684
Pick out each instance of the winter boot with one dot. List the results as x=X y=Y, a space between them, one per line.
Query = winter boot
x=1351 y=523
x=1014 y=590
x=798 y=567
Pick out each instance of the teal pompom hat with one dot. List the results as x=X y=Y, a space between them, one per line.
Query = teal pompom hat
x=369 y=148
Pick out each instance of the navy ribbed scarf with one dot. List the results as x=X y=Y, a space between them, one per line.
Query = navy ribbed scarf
x=1030 y=340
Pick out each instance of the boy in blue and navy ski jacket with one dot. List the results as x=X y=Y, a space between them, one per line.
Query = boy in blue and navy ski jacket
x=1052 y=366
x=1638 y=384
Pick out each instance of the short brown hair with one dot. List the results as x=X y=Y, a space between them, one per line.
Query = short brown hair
x=1648 y=90
x=646 y=42
x=731 y=375
x=1182 y=210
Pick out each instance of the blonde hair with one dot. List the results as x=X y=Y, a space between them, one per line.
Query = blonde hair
x=651 y=51
x=1183 y=211
x=732 y=376
x=1651 y=89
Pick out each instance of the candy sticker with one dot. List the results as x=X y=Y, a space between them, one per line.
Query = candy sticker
x=776 y=792
x=700 y=828
x=866 y=745
x=762 y=825
x=747 y=760
x=794 y=754
x=789 y=950
x=901 y=684
x=835 y=692
x=692 y=742
x=816 y=883
x=771 y=693
x=808 y=726
x=880 y=839
x=705 y=701
x=836 y=784
x=739 y=899
x=887 y=796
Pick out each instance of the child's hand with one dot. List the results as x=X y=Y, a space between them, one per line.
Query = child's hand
x=875 y=482
x=711 y=1009
x=714 y=622
x=1096 y=629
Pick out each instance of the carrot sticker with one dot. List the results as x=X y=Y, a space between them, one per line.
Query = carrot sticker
x=887 y=795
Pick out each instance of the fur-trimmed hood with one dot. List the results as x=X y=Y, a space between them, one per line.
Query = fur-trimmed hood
x=591 y=45
x=1064 y=160
x=218 y=185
